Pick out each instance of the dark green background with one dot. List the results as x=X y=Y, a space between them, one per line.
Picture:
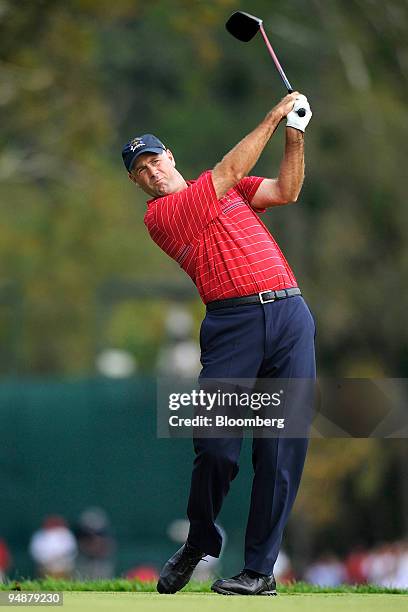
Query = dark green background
x=69 y=445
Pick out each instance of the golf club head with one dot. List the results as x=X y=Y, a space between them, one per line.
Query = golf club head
x=243 y=25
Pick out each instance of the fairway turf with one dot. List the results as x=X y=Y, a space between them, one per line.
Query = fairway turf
x=203 y=602
x=116 y=585
x=133 y=596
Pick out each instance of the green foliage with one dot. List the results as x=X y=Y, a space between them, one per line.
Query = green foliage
x=80 y=77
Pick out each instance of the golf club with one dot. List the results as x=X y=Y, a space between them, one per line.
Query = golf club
x=244 y=26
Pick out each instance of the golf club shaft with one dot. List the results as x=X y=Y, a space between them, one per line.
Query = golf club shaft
x=275 y=60
x=301 y=111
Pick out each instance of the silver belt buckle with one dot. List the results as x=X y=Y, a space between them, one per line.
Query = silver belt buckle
x=265 y=301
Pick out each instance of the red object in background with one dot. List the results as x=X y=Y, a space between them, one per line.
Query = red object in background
x=355 y=566
x=288 y=577
x=5 y=558
x=144 y=573
x=54 y=520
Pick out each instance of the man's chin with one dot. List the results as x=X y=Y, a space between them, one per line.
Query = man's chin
x=162 y=189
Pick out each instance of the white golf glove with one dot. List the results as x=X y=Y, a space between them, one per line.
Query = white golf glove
x=293 y=119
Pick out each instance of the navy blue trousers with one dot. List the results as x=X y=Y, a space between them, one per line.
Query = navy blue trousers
x=254 y=341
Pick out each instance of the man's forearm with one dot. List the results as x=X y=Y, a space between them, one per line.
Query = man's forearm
x=242 y=158
x=238 y=162
x=292 y=168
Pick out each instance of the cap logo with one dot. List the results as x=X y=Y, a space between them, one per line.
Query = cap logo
x=136 y=143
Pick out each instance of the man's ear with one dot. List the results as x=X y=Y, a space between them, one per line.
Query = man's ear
x=132 y=178
x=171 y=157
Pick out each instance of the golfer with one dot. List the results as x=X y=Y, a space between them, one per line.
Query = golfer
x=257 y=325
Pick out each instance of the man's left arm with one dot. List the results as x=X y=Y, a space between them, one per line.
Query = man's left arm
x=286 y=187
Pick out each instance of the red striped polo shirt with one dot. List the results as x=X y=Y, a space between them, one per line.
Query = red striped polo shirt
x=221 y=244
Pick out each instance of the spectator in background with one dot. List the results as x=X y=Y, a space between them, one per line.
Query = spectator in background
x=180 y=355
x=53 y=548
x=356 y=566
x=96 y=545
x=144 y=573
x=283 y=570
x=5 y=560
x=382 y=564
x=326 y=571
x=400 y=580
x=386 y=564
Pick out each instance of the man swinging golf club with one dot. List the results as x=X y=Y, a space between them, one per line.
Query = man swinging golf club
x=257 y=325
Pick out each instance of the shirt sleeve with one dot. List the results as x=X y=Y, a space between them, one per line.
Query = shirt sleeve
x=248 y=186
x=185 y=214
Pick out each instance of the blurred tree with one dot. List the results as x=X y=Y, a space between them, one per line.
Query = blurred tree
x=353 y=493
x=80 y=77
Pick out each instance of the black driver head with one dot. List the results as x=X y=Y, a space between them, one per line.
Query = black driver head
x=243 y=25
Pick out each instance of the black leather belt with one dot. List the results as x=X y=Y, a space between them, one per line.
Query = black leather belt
x=263 y=297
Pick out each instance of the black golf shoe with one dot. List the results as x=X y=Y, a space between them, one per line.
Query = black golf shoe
x=178 y=569
x=246 y=583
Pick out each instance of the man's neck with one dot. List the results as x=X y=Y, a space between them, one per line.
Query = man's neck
x=181 y=184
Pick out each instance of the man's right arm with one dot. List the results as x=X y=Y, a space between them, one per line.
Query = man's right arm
x=238 y=162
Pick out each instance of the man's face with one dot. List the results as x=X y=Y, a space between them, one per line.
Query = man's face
x=156 y=174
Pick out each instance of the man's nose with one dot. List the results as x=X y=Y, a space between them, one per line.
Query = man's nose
x=152 y=171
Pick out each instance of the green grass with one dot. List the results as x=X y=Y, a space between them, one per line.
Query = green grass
x=204 y=602
x=122 y=585
x=133 y=596
x=210 y=602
